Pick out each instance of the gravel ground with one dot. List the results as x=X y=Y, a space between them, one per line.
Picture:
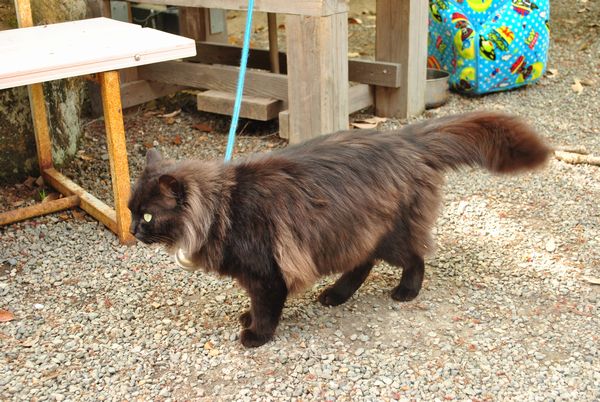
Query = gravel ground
x=506 y=312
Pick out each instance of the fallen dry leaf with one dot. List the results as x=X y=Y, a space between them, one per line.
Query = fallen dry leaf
x=592 y=280
x=177 y=140
x=172 y=114
x=39 y=181
x=354 y=20
x=587 y=82
x=29 y=182
x=209 y=346
x=151 y=113
x=368 y=123
x=51 y=197
x=364 y=126
x=78 y=215
x=6 y=316
x=169 y=120
x=203 y=127
x=577 y=87
x=85 y=157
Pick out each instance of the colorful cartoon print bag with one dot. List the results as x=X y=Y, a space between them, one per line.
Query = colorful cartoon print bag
x=489 y=45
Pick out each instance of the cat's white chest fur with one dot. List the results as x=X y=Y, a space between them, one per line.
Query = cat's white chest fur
x=184 y=262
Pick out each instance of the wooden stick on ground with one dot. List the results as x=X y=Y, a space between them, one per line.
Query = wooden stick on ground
x=576 y=149
x=575 y=159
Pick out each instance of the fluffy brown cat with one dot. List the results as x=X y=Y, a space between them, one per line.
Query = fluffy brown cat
x=336 y=204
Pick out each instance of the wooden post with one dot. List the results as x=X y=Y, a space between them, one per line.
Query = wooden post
x=401 y=37
x=317 y=60
x=273 y=46
x=195 y=23
x=117 y=152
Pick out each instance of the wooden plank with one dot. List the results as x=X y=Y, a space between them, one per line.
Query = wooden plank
x=299 y=7
x=138 y=92
x=195 y=23
x=371 y=72
x=284 y=124
x=360 y=96
x=117 y=152
x=220 y=78
x=90 y=204
x=39 y=209
x=401 y=37
x=68 y=49
x=253 y=107
x=317 y=75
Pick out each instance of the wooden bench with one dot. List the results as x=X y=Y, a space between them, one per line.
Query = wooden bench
x=312 y=79
x=100 y=46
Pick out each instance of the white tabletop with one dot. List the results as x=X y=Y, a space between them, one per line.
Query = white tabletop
x=68 y=49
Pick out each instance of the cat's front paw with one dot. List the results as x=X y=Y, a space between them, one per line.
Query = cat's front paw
x=251 y=339
x=404 y=294
x=246 y=319
x=332 y=297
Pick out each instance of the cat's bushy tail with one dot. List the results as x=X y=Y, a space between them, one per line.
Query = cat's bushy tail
x=498 y=142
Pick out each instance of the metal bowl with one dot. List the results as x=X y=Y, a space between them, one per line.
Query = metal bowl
x=436 y=88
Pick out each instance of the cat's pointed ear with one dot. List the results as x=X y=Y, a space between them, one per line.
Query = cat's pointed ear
x=170 y=186
x=152 y=156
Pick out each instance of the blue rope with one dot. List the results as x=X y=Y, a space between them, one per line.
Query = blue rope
x=240 y=85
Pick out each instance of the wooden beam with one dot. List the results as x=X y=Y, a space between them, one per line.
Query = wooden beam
x=39 y=209
x=401 y=37
x=253 y=107
x=317 y=75
x=381 y=73
x=220 y=78
x=138 y=92
x=299 y=7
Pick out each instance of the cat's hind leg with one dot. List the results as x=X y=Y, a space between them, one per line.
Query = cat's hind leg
x=412 y=278
x=346 y=285
x=267 y=297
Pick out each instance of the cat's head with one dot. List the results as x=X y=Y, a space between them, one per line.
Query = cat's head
x=157 y=202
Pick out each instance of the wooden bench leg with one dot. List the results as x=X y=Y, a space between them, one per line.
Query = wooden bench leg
x=401 y=37
x=317 y=61
x=117 y=152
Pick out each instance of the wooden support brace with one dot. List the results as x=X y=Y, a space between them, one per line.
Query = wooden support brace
x=380 y=73
x=39 y=209
x=220 y=78
x=90 y=204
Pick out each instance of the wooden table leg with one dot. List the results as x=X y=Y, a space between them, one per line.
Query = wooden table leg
x=117 y=152
x=317 y=69
x=401 y=37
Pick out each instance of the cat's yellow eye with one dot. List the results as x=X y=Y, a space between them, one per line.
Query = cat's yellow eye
x=147 y=217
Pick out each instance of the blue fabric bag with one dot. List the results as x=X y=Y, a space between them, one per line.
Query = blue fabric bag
x=489 y=45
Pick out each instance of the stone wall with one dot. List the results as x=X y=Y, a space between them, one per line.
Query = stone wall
x=64 y=99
